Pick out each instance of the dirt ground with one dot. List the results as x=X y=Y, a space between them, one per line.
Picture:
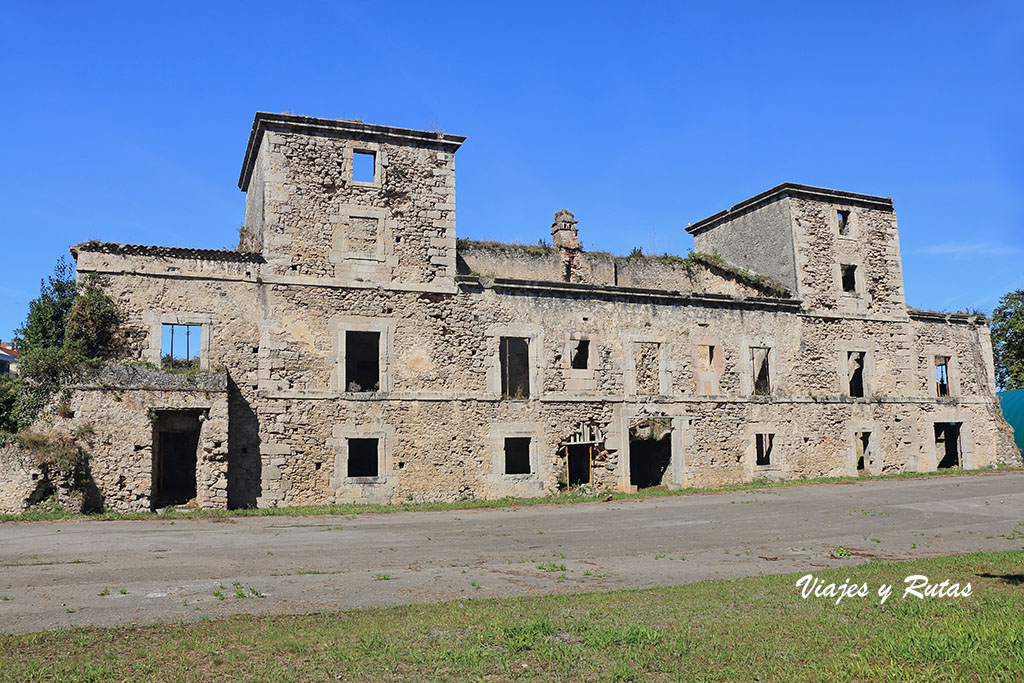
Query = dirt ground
x=70 y=573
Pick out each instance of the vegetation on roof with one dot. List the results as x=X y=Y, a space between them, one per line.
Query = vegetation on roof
x=767 y=285
x=540 y=248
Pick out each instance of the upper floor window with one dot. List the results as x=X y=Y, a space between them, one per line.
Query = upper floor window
x=848 y=274
x=362 y=361
x=180 y=346
x=855 y=368
x=843 y=220
x=942 y=375
x=514 y=358
x=761 y=372
x=647 y=359
x=364 y=166
x=580 y=354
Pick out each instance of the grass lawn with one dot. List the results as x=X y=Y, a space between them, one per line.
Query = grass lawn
x=744 y=629
x=586 y=494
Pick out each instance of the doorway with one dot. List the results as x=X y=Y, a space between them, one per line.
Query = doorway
x=577 y=464
x=650 y=452
x=947 y=445
x=175 y=448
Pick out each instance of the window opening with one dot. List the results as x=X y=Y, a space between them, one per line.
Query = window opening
x=707 y=359
x=581 y=355
x=514 y=355
x=863 y=450
x=179 y=346
x=364 y=167
x=849 y=278
x=942 y=376
x=362 y=458
x=762 y=375
x=843 y=218
x=362 y=361
x=765 y=443
x=855 y=368
x=517 y=455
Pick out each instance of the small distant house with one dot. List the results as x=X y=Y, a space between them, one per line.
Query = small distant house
x=8 y=359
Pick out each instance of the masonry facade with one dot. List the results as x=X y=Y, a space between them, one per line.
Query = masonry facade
x=365 y=354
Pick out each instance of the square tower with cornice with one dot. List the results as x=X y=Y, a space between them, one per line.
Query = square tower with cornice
x=350 y=203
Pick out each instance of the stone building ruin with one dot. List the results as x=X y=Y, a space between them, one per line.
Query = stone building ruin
x=352 y=349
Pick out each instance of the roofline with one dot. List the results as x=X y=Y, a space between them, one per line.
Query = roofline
x=166 y=252
x=605 y=292
x=787 y=189
x=310 y=124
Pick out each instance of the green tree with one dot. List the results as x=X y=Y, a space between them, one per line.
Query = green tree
x=9 y=386
x=43 y=357
x=70 y=326
x=47 y=315
x=93 y=325
x=1008 y=340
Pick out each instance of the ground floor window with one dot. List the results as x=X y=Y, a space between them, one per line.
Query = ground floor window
x=517 y=455
x=362 y=458
x=765 y=445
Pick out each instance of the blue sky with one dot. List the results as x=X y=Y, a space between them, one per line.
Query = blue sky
x=127 y=122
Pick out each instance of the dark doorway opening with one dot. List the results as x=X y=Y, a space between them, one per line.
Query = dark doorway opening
x=175 y=446
x=650 y=452
x=947 y=444
x=362 y=361
x=577 y=464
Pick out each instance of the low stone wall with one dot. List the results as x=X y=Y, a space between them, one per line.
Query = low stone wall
x=115 y=409
x=20 y=479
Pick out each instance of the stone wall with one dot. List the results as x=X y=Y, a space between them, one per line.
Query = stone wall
x=669 y=339
x=696 y=274
x=115 y=408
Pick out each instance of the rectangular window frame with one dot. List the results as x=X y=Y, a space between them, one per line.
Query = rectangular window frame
x=156 y=321
x=759 y=387
x=515 y=442
x=339 y=326
x=341 y=434
x=535 y=344
x=513 y=484
x=850 y=225
x=941 y=379
x=379 y=163
x=512 y=388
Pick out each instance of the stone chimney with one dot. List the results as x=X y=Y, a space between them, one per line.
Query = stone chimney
x=565 y=236
x=564 y=233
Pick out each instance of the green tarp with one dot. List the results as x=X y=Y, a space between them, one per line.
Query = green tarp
x=1013 y=411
